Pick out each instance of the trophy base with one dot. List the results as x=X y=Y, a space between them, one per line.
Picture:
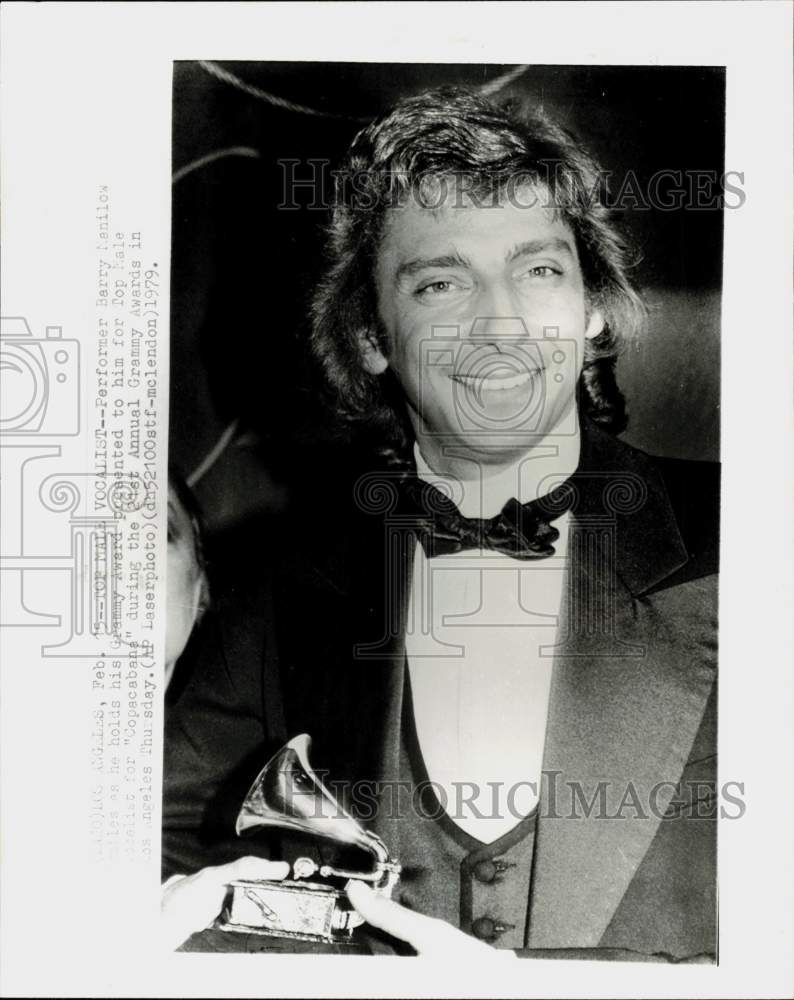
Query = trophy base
x=303 y=911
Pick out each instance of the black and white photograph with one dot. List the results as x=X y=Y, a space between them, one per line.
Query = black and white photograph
x=445 y=435
x=396 y=500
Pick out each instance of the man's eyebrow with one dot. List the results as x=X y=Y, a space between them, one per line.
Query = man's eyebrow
x=410 y=267
x=556 y=245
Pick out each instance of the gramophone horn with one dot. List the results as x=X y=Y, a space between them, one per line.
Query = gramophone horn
x=288 y=794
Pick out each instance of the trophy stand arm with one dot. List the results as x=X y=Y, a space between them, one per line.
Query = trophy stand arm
x=384 y=876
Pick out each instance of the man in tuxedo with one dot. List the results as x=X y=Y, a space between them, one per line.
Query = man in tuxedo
x=504 y=646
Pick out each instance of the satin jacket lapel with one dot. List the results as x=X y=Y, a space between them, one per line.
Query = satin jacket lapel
x=382 y=571
x=381 y=597
x=626 y=702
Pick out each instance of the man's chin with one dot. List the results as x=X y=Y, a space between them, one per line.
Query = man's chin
x=492 y=448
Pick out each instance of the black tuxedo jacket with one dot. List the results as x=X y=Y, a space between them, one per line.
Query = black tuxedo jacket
x=625 y=856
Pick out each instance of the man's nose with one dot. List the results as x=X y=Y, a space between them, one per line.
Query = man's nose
x=493 y=329
x=497 y=317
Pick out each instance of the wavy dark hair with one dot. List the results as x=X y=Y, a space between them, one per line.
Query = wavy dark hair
x=447 y=134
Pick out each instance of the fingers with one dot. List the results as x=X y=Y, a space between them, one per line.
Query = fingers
x=385 y=914
x=427 y=935
x=189 y=903
x=250 y=868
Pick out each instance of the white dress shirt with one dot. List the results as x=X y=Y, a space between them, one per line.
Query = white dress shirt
x=479 y=637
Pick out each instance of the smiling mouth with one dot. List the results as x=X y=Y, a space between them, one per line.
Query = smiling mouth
x=498 y=383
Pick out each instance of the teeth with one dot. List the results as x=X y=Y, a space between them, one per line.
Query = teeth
x=499 y=384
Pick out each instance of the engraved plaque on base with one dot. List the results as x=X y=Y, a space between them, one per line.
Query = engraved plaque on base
x=300 y=910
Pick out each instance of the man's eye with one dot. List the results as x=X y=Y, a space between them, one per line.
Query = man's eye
x=434 y=288
x=541 y=271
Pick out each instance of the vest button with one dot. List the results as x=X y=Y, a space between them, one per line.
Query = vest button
x=484 y=928
x=485 y=871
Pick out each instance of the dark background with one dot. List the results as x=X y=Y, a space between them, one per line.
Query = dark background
x=242 y=268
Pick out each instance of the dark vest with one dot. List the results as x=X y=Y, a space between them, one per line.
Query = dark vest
x=482 y=888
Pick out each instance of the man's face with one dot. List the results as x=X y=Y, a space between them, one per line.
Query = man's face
x=484 y=310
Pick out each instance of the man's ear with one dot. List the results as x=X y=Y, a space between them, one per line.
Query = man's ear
x=372 y=358
x=595 y=324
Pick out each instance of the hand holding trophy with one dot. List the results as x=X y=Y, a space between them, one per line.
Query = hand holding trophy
x=288 y=794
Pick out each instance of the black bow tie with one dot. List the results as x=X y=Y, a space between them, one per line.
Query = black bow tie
x=522 y=531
